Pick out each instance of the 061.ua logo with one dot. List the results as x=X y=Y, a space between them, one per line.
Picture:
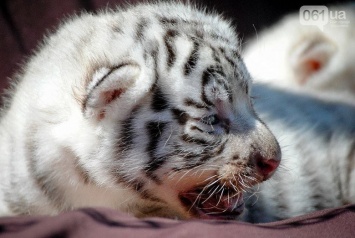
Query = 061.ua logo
x=320 y=16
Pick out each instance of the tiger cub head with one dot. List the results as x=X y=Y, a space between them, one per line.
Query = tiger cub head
x=173 y=121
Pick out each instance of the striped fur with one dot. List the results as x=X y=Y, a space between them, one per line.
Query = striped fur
x=145 y=110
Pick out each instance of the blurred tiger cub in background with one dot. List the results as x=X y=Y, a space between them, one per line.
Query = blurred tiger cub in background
x=303 y=57
x=310 y=109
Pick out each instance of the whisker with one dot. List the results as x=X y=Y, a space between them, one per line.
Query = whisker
x=210 y=195
x=220 y=197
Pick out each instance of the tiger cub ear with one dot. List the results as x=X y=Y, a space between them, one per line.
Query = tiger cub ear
x=310 y=56
x=107 y=86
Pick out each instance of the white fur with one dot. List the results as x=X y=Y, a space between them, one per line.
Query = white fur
x=281 y=55
x=63 y=115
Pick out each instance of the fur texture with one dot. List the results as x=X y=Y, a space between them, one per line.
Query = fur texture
x=145 y=110
x=304 y=58
x=317 y=139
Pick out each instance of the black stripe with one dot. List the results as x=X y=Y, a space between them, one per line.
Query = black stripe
x=226 y=87
x=191 y=22
x=247 y=88
x=221 y=38
x=168 y=39
x=317 y=199
x=206 y=78
x=191 y=159
x=200 y=33
x=236 y=157
x=238 y=76
x=153 y=165
x=181 y=116
x=189 y=139
x=236 y=54
x=155 y=54
x=127 y=132
x=229 y=60
x=117 y=29
x=166 y=21
x=193 y=103
x=83 y=173
x=141 y=25
x=215 y=55
x=44 y=179
x=205 y=158
x=148 y=196
x=138 y=186
x=159 y=100
x=191 y=62
x=244 y=86
x=174 y=21
x=196 y=128
x=221 y=148
x=223 y=83
x=218 y=70
x=189 y=155
x=320 y=201
x=154 y=130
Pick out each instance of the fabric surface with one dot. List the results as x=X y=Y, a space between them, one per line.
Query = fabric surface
x=101 y=222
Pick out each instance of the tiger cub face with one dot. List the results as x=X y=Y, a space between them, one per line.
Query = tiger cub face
x=145 y=110
x=191 y=141
x=196 y=152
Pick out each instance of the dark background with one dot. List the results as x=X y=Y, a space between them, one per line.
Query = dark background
x=24 y=22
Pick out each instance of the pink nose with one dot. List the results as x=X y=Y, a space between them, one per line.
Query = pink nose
x=266 y=166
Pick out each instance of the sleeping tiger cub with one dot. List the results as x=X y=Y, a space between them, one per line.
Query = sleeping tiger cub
x=296 y=56
x=310 y=109
x=146 y=110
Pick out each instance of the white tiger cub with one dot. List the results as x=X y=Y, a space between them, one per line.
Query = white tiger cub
x=145 y=110
x=313 y=75
x=303 y=57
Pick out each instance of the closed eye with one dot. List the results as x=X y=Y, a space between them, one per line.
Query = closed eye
x=210 y=120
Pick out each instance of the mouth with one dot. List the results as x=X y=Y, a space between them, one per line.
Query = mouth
x=214 y=203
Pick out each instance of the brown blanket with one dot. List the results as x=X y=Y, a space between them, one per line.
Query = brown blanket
x=100 y=222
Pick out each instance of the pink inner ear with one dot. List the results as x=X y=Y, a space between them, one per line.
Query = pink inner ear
x=314 y=65
x=311 y=66
x=109 y=96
